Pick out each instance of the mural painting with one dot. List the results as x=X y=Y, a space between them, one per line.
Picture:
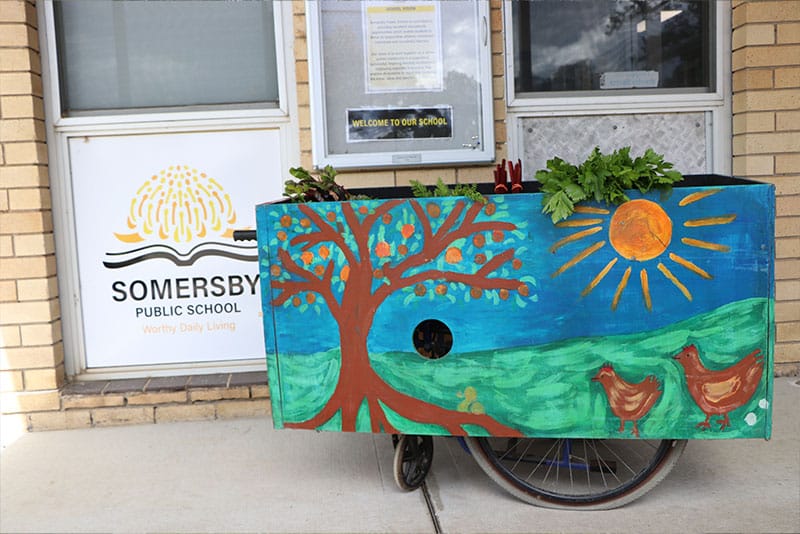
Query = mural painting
x=628 y=321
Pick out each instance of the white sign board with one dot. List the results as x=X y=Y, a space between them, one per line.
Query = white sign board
x=162 y=281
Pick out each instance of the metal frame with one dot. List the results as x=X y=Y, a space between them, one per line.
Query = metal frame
x=61 y=129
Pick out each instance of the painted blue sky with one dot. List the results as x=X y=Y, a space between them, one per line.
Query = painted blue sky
x=555 y=309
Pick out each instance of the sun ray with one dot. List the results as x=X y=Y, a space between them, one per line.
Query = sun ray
x=705 y=244
x=589 y=209
x=578 y=222
x=674 y=279
x=602 y=274
x=699 y=195
x=710 y=221
x=689 y=265
x=620 y=287
x=580 y=256
x=646 y=290
x=574 y=237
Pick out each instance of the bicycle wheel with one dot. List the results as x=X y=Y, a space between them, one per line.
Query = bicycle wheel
x=589 y=474
x=413 y=456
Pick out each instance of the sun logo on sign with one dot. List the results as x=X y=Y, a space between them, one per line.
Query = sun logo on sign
x=639 y=231
x=179 y=204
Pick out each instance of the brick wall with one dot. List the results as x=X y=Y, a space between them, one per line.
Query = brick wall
x=766 y=141
x=31 y=352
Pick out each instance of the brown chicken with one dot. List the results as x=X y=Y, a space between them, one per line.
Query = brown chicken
x=629 y=402
x=720 y=392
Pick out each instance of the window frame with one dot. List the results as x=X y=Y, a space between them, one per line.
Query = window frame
x=716 y=103
x=60 y=129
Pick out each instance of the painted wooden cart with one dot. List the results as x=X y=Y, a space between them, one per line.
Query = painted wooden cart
x=574 y=358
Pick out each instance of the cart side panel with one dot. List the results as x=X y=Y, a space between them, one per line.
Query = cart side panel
x=557 y=330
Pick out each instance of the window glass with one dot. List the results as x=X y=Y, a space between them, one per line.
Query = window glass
x=612 y=45
x=130 y=54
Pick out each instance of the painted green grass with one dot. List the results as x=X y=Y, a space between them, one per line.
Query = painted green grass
x=546 y=390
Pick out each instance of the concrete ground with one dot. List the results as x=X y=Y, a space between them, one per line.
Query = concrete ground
x=243 y=476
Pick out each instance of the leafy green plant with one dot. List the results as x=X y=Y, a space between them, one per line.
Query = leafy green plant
x=441 y=189
x=321 y=188
x=602 y=177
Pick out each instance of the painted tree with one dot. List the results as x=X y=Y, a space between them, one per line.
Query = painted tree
x=352 y=256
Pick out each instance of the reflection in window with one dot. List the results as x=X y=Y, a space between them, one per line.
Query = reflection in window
x=607 y=45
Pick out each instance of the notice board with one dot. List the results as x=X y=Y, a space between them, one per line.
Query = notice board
x=400 y=83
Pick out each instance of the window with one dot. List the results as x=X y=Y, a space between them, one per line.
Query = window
x=133 y=55
x=612 y=46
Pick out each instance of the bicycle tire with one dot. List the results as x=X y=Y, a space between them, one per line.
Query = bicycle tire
x=598 y=487
x=413 y=457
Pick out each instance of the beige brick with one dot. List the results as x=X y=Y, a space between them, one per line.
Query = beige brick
x=787 y=269
x=425 y=176
x=24 y=176
x=12 y=130
x=236 y=408
x=301 y=72
x=37 y=289
x=40 y=334
x=8 y=291
x=71 y=402
x=39 y=379
x=26 y=312
x=765 y=56
x=788 y=226
x=753 y=165
x=60 y=420
x=26 y=222
x=16 y=35
x=787 y=77
x=11 y=381
x=299 y=24
x=766 y=100
x=766 y=11
x=29 y=199
x=475 y=175
x=27 y=267
x=29 y=401
x=20 y=83
x=6 y=246
x=260 y=391
x=300 y=49
x=21 y=107
x=20 y=59
x=787 y=331
x=22 y=153
x=787 y=120
x=787 y=163
x=786 y=353
x=786 y=206
x=753 y=34
x=214 y=394
x=747 y=79
x=766 y=143
x=158 y=397
x=788 y=32
x=787 y=311
x=34 y=244
x=787 y=289
x=353 y=180
x=185 y=412
x=3 y=200
x=32 y=357
x=123 y=416
x=10 y=337
x=12 y=11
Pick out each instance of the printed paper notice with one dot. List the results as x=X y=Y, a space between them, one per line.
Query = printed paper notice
x=403 y=47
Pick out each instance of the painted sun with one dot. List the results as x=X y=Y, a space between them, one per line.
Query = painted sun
x=179 y=203
x=641 y=232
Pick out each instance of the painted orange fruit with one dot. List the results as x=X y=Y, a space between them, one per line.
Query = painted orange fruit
x=319 y=270
x=310 y=298
x=282 y=235
x=387 y=218
x=274 y=270
x=516 y=263
x=504 y=294
x=363 y=210
x=307 y=257
x=498 y=236
x=480 y=259
x=478 y=240
x=523 y=290
x=344 y=274
x=490 y=209
x=402 y=250
x=453 y=255
x=433 y=210
x=305 y=223
x=324 y=252
x=331 y=216
x=475 y=292
x=383 y=249
x=377 y=273
x=420 y=290
x=407 y=230
x=441 y=289
x=286 y=221
x=296 y=301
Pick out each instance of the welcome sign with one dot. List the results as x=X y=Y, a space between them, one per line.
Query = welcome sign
x=162 y=281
